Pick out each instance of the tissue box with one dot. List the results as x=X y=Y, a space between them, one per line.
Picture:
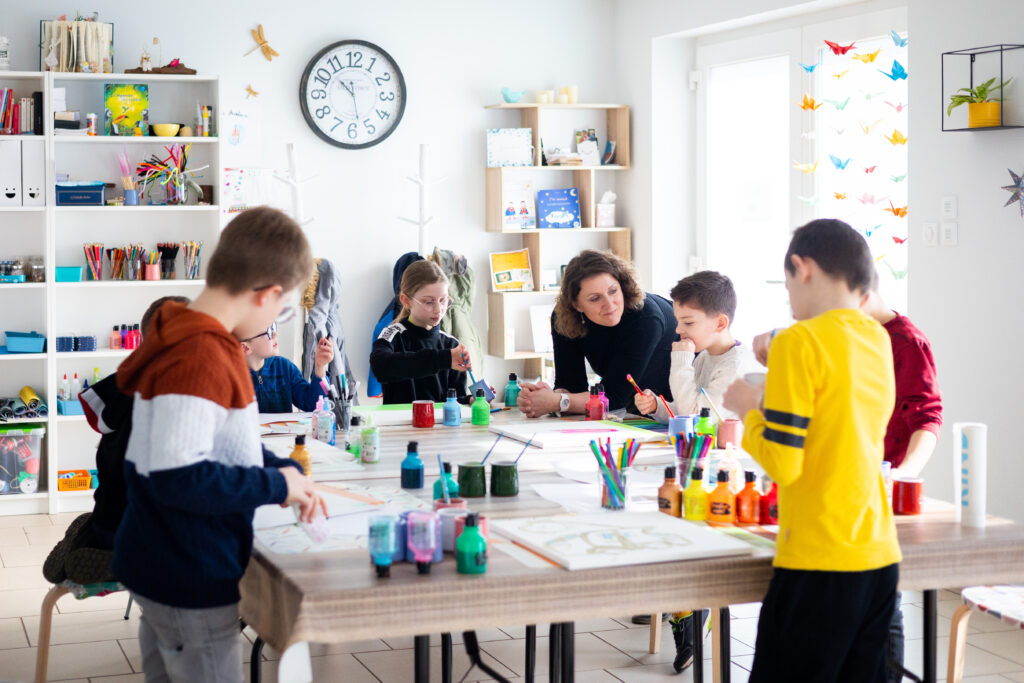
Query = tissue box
x=606 y=215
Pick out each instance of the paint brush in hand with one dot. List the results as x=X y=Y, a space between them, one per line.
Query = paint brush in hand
x=629 y=378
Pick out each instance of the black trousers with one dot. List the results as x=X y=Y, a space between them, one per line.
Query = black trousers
x=819 y=626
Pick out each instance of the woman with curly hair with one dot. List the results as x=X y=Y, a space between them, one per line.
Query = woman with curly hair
x=603 y=317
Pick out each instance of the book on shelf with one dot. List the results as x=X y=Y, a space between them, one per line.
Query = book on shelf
x=520 y=209
x=509 y=147
x=558 y=208
x=609 y=153
x=125 y=108
x=510 y=271
x=586 y=147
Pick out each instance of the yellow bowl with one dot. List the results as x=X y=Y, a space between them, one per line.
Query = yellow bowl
x=166 y=130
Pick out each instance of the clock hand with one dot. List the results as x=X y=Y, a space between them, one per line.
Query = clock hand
x=345 y=86
x=355 y=105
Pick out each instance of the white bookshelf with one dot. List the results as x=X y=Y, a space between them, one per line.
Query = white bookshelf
x=57 y=233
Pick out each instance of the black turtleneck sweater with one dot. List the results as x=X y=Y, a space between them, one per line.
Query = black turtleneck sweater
x=640 y=345
x=415 y=364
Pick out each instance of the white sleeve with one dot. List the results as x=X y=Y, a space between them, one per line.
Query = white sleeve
x=682 y=379
x=722 y=374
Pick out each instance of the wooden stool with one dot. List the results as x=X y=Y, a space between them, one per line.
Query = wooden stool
x=46 y=615
x=1005 y=603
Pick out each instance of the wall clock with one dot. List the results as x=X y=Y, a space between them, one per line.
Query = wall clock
x=352 y=94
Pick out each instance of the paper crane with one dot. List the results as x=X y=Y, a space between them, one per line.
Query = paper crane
x=249 y=92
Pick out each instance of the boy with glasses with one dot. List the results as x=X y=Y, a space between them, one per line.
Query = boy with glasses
x=277 y=381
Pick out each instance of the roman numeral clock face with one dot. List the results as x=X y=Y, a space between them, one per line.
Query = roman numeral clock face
x=352 y=94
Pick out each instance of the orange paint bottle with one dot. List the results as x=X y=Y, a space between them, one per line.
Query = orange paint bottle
x=748 y=501
x=670 y=495
x=722 y=502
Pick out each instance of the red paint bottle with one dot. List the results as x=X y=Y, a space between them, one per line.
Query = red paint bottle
x=595 y=407
x=770 y=505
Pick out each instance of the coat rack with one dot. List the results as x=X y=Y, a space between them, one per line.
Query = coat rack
x=425 y=218
x=292 y=180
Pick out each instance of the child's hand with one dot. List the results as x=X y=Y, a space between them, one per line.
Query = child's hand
x=741 y=397
x=762 y=343
x=460 y=359
x=684 y=345
x=646 y=403
x=323 y=356
x=300 y=491
x=319 y=504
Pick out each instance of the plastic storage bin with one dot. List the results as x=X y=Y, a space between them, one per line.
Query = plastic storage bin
x=25 y=342
x=89 y=193
x=74 y=480
x=69 y=407
x=20 y=451
x=68 y=274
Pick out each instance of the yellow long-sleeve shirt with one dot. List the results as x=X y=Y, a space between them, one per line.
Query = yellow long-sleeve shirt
x=828 y=396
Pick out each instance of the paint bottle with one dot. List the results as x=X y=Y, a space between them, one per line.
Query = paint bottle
x=124 y=337
x=115 y=340
x=354 y=435
x=512 y=391
x=695 y=498
x=137 y=335
x=453 y=486
x=471 y=547
x=95 y=376
x=314 y=418
x=300 y=455
x=421 y=536
x=370 y=444
x=65 y=388
x=412 y=467
x=748 y=501
x=452 y=413
x=670 y=495
x=604 y=399
x=722 y=502
x=731 y=464
x=704 y=425
x=481 y=409
x=383 y=543
x=76 y=388
x=594 y=409
x=325 y=424
x=770 y=503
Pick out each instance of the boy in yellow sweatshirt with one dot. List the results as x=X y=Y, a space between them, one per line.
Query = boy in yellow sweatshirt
x=819 y=432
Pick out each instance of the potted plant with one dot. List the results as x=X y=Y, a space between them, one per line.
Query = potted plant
x=982 y=103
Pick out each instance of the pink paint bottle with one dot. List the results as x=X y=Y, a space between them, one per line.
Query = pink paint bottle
x=422 y=538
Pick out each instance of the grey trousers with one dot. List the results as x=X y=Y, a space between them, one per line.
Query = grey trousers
x=189 y=645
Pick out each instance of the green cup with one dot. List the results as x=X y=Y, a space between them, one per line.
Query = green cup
x=505 y=479
x=472 y=482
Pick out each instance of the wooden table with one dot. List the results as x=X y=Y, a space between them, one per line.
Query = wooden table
x=291 y=600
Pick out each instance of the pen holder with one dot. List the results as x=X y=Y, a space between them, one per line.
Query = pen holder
x=472 y=483
x=610 y=500
x=504 y=479
x=423 y=414
x=166 y=269
x=151 y=271
x=131 y=197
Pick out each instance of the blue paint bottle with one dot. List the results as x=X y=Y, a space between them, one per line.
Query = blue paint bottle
x=452 y=415
x=383 y=543
x=412 y=468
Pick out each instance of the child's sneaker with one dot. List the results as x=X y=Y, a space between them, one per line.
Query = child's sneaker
x=682 y=633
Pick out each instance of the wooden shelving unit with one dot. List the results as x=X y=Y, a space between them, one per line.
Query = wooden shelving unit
x=504 y=308
x=57 y=233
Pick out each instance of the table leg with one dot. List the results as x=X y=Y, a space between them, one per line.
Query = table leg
x=255 y=673
x=930 y=628
x=531 y=652
x=446 y=658
x=421 y=645
x=698 y=647
x=555 y=653
x=725 y=644
x=568 y=652
x=295 y=665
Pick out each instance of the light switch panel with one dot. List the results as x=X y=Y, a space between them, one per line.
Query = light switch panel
x=930 y=234
x=948 y=234
x=949 y=207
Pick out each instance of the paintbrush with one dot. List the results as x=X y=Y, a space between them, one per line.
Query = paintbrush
x=629 y=378
x=444 y=481
x=491 y=449
x=516 y=461
x=712 y=404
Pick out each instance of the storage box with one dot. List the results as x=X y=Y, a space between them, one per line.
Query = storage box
x=68 y=274
x=86 y=193
x=69 y=407
x=20 y=451
x=74 y=480
x=25 y=342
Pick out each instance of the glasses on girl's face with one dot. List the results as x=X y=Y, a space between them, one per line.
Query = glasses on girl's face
x=271 y=331
x=442 y=303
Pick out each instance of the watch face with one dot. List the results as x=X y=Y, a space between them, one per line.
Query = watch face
x=352 y=94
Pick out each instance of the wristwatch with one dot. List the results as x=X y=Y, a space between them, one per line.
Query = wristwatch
x=563 y=403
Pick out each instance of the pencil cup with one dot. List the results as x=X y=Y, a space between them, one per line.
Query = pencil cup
x=423 y=414
x=472 y=483
x=448 y=516
x=681 y=424
x=460 y=525
x=610 y=498
x=151 y=271
x=505 y=479
x=730 y=432
x=454 y=503
x=131 y=197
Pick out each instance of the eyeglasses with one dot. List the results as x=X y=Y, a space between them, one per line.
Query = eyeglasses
x=443 y=302
x=271 y=331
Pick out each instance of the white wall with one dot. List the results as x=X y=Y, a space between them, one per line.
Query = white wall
x=963 y=296
x=455 y=56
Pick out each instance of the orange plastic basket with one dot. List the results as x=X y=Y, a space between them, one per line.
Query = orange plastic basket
x=78 y=481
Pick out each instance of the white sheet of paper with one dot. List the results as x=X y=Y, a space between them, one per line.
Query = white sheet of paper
x=561 y=432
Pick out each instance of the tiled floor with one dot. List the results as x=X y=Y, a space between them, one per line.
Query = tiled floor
x=92 y=642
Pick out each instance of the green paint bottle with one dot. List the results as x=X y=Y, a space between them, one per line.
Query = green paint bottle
x=453 y=486
x=481 y=409
x=471 y=547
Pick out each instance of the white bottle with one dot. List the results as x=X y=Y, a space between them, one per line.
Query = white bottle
x=65 y=389
x=325 y=428
x=76 y=388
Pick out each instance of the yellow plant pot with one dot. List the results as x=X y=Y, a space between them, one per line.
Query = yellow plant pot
x=982 y=114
